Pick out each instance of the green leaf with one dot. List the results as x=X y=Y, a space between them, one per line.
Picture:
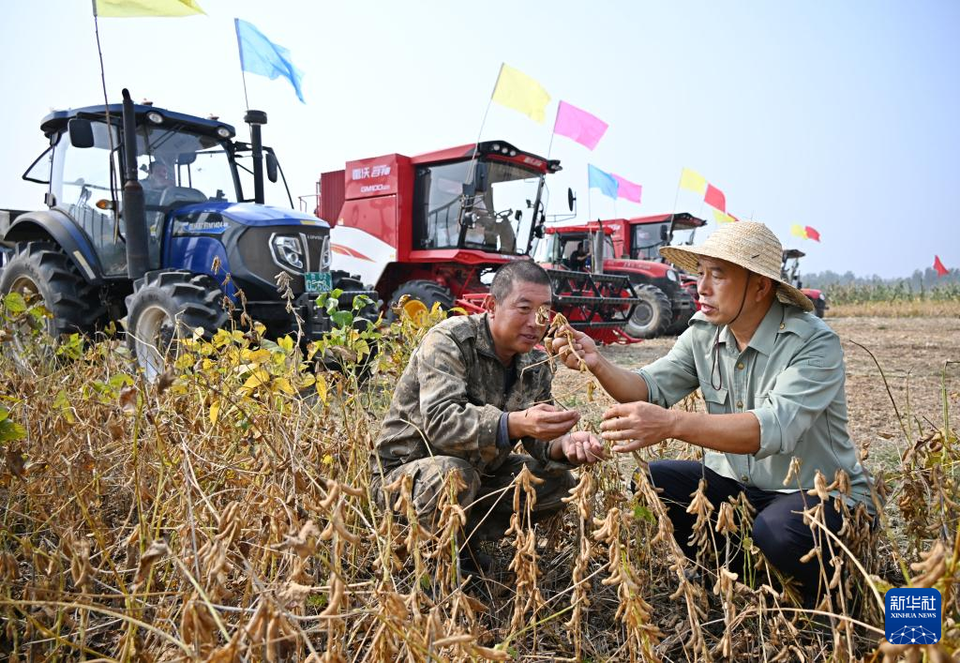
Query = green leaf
x=286 y=343
x=14 y=302
x=641 y=512
x=342 y=318
x=11 y=431
x=120 y=380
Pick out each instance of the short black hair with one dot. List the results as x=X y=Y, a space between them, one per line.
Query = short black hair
x=518 y=270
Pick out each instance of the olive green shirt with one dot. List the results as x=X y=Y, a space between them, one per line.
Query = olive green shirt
x=790 y=377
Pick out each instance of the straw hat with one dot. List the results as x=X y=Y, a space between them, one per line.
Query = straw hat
x=749 y=244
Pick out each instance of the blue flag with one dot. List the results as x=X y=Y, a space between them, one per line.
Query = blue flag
x=606 y=182
x=259 y=55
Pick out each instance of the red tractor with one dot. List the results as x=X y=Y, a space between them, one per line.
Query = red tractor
x=791 y=274
x=630 y=248
x=436 y=226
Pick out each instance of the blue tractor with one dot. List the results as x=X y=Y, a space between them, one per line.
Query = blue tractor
x=171 y=252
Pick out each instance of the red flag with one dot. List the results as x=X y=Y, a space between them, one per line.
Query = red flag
x=812 y=234
x=714 y=197
x=937 y=265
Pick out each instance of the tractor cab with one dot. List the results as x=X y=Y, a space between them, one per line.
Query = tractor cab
x=790 y=269
x=575 y=246
x=489 y=202
x=790 y=272
x=648 y=234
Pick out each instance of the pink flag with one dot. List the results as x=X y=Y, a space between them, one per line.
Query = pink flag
x=579 y=125
x=626 y=189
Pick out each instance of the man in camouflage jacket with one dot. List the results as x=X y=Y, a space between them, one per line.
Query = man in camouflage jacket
x=473 y=388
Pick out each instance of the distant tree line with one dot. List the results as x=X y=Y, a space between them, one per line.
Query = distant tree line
x=919 y=280
x=848 y=288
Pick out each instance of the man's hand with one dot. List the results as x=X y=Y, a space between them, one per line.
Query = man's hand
x=544 y=422
x=637 y=425
x=580 y=448
x=583 y=348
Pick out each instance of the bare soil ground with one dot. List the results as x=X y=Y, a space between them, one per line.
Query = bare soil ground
x=911 y=352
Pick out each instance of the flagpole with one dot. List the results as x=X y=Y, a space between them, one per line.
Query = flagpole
x=246 y=101
x=676 y=198
x=483 y=122
x=243 y=74
x=589 y=197
x=553 y=133
x=115 y=209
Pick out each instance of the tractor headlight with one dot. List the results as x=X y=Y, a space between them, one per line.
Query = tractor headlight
x=325 y=254
x=673 y=276
x=287 y=251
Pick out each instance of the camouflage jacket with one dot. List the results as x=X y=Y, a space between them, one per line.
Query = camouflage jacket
x=450 y=397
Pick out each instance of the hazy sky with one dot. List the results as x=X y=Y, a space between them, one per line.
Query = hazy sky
x=844 y=116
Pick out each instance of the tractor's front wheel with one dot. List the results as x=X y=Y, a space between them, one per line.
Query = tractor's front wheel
x=42 y=271
x=682 y=319
x=422 y=295
x=652 y=314
x=166 y=306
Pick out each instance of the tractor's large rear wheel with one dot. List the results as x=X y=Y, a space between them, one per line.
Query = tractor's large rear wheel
x=42 y=271
x=166 y=306
x=652 y=315
x=422 y=296
x=682 y=319
x=819 y=307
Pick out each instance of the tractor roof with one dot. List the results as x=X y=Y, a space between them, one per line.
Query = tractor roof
x=495 y=149
x=681 y=220
x=57 y=120
x=789 y=254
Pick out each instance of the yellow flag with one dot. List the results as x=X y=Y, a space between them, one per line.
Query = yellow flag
x=693 y=181
x=798 y=230
x=139 y=8
x=518 y=91
x=722 y=218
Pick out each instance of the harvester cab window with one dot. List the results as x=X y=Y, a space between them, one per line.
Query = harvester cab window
x=80 y=185
x=437 y=204
x=647 y=240
x=475 y=205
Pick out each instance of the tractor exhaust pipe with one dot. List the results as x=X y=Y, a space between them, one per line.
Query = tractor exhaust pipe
x=256 y=119
x=134 y=205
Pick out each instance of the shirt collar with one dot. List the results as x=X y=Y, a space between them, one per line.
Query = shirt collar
x=765 y=335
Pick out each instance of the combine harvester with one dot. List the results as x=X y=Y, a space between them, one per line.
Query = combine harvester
x=435 y=227
x=630 y=248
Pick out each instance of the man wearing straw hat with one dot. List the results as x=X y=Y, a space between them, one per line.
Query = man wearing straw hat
x=772 y=378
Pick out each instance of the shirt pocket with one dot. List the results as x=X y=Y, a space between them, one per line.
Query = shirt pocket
x=716 y=399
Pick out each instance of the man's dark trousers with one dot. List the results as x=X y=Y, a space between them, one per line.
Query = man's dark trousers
x=778 y=527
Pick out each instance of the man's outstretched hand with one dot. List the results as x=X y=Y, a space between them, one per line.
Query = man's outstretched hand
x=544 y=422
x=583 y=347
x=637 y=425
x=581 y=448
